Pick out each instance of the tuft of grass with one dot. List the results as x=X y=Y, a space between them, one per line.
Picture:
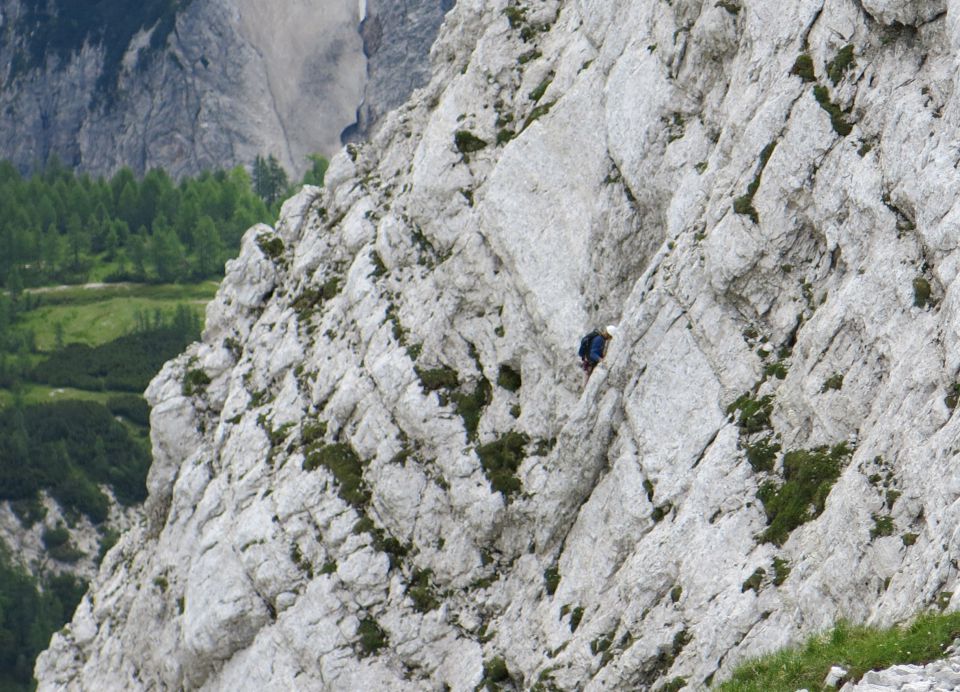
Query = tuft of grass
x=803 y=68
x=541 y=88
x=841 y=62
x=528 y=56
x=744 y=203
x=495 y=671
x=515 y=15
x=777 y=369
x=837 y=119
x=781 y=570
x=754 y=581
x=575 y=617
x=882 y=526
x=537 y=113
x=953 y=396
x=421 y=591
x=835 y=382
x=859 y=649
x=808 y=477
x=470 y=405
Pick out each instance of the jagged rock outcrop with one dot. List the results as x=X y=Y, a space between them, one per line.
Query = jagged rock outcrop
x=224 y=81
x=396 y=479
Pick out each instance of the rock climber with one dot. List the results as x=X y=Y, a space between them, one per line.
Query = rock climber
x=593 y=347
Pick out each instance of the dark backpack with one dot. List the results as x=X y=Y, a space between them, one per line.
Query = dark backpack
x=585 y=343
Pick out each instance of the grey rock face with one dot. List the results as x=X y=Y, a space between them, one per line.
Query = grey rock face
x=396 y=41
x=236 y=78
x=364 y=498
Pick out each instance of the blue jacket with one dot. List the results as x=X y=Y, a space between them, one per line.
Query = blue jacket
x=597 y=348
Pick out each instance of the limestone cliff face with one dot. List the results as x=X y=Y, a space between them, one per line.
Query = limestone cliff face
x=396 y=476
x=231 y=80
x=396 y=41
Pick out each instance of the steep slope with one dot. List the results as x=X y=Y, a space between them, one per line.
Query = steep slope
x=395 y=479
x=194 y=84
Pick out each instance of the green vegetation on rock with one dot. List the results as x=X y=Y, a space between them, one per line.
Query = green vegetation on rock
x=808 y=476
x=346 y=467
x=744 y=203
x=803 y=68
x=858 y=649
x=501 y=459
x=837 y=119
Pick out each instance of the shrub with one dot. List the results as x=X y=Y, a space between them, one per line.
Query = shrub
x=509 y=378
x=501 y=459
x=54 y=538
x=195 y=381
x=372 y=636
x=762 y=454
x=781 y=570
x=835 y=381
x=270 y=245
x=803 y=68
x=754 y=414
x=421 y=592
x=841 y=62
x=467 y=142
x=438 y=378
x=345 y=465
x=551 y=579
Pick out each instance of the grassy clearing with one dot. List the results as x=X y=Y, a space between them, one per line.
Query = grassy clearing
x=857 y=649
x=95 y=316
x=31 y=393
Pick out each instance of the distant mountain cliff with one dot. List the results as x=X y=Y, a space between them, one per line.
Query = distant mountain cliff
x=396 y=478
x=193 y=84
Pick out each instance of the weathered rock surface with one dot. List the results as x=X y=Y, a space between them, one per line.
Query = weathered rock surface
x=324 y=514
x=396 y=42
x=939 y=676
x=236 y=78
